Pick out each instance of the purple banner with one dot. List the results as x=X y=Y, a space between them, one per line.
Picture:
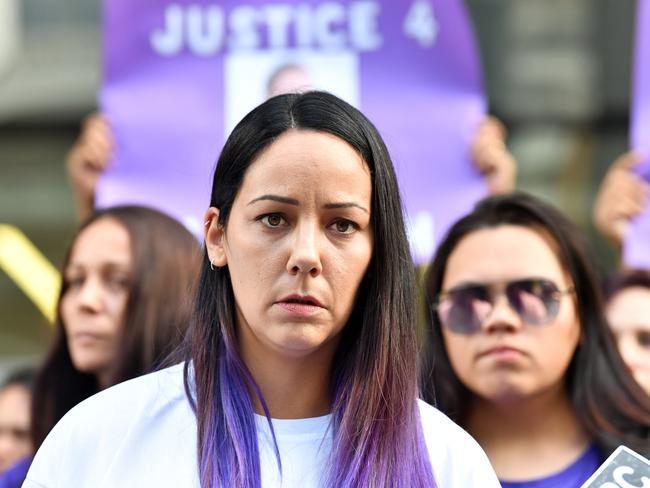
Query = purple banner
x=180 y=75
x=636 y=248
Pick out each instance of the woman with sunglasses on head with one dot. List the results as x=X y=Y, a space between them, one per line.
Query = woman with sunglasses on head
x=522 y=356
x=303 y=352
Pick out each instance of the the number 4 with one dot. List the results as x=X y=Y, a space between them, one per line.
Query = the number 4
x=421 y=24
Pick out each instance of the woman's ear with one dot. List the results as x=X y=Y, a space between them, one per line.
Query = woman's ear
x=215 y=238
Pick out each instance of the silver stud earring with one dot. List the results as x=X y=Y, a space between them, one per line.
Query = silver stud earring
x=211 y=265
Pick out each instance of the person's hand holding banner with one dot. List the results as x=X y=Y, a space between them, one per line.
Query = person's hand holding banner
x=87 y=160
x=622 y=196
x=492 y=158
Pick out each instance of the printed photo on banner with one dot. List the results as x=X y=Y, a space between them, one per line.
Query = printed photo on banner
x=253 y=77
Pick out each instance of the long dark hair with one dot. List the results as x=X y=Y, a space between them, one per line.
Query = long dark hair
x=611 y=406
x=376 y=427
x=165 y=259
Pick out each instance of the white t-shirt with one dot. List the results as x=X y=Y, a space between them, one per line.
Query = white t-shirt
x=143 y=433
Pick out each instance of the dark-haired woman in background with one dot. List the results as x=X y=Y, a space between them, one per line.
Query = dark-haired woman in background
x=628 y=313
x=524 y=359
x=303 y=349
x=124 y=306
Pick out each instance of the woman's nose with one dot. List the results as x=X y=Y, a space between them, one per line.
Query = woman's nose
x=305 y=255
x=502 y=317
x=90 y=295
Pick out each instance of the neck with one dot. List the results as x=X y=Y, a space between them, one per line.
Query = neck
x=292 y=388
x=104 y=380
x=528 y=437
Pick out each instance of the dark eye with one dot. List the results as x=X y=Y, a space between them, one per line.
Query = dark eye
x=344 y=226
x=272 y=220
x=643 y=338
x=118 y=282
x=75 y=281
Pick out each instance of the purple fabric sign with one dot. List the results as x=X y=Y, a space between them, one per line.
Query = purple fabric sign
x=636 y=249
x=179 y=75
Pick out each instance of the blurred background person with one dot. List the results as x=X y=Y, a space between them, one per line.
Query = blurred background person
x=15 y=408
x=628 y=313
x=123 y=309
x=520 y=352
x=622 y=196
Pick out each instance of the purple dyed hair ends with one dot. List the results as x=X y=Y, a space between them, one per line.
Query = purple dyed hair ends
x=377 y=435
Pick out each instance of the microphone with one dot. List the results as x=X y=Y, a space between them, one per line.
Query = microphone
x=623 y=469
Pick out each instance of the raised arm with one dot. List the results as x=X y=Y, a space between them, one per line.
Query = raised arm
x=87 y=159
x=492 y=158
x=622 y=196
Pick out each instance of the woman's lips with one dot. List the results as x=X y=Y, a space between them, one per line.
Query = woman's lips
x=87 y=337
x=304 y=305
x=502 y=353
x=300 y=308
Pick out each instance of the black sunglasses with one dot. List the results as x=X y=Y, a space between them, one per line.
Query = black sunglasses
x=463 y=309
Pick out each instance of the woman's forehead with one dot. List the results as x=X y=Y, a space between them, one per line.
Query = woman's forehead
x=308 y=160
x=106 y=239
x=504 y=252
x=306 y=143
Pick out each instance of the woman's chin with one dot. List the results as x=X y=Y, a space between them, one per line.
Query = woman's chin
x=304 y=343
x=86 y=365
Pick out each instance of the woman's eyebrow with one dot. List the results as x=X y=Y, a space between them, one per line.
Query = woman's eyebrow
x=117 y=266
x=346 y=205
x=276 y=198
x=105 y=265
x=294 y=202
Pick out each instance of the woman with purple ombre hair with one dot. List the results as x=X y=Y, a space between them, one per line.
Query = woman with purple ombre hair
x=302 y=351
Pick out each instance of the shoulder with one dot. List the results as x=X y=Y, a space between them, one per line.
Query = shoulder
x=132 y=400
x=456 y=458
x=436 y=424
x=160 y=387
x=114 y=428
